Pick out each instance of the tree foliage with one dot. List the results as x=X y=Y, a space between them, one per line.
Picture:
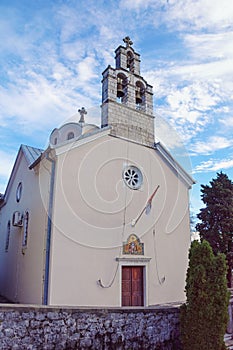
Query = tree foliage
x=216 y=224
x=204 y=316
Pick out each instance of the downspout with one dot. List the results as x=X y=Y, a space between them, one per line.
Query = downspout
x=49 y=230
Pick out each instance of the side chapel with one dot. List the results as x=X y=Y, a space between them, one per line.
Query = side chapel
x=101 y=217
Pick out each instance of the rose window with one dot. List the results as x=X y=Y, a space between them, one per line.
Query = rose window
x=132 y=177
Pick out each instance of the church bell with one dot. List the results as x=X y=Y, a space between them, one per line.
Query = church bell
x=138 y=96
x=120 y=91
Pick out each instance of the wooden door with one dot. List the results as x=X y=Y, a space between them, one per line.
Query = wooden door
x=132 y=286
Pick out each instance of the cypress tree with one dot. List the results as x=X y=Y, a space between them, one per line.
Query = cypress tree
x=216 y=224
x=204 y=316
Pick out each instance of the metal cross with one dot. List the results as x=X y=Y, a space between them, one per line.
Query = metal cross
x=82 y=112
x=128 y=41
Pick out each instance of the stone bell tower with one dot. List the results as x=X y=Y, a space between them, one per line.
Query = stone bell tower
x=127 y=99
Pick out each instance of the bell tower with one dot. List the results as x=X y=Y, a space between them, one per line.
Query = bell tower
x=127 y=99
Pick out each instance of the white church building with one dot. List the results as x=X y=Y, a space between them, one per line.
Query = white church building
x=101 y=217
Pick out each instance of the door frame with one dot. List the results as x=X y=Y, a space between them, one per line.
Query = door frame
x=131 y=262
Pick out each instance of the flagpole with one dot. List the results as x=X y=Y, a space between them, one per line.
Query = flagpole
x=148 y=202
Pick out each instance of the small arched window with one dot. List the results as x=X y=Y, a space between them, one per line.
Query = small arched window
x=130 y=61
x=8 y=236
x=19 y=192
x=70 y=135
x=55 y=141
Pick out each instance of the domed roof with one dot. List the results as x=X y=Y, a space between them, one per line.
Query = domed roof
x=88 y=128
x=71 y=131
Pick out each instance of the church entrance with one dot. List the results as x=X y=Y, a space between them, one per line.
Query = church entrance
x=132 y=286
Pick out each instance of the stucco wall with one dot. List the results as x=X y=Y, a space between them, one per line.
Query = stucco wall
x=93 y=212
x=92 y=217
x=33 y=327
x=21 y=270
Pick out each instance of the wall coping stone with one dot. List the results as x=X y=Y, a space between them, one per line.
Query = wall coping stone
x=169 y=307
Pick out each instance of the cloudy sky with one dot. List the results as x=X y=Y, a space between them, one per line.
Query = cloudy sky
x=52 y=54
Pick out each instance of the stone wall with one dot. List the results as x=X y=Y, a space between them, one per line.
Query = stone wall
x=32 y=327
x=128 y=123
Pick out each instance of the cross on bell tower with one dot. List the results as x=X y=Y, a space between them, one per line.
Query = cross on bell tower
x=127 y=41
x=127 y=99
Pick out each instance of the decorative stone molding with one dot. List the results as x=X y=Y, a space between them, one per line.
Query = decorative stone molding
x=133 y=259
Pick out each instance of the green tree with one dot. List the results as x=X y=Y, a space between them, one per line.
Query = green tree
x=216 y=224
x=204 y=316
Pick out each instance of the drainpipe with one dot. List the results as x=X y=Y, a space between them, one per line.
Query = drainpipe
x=49 y=230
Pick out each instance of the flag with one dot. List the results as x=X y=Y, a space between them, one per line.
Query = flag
x=147 y=208
x=149 y=202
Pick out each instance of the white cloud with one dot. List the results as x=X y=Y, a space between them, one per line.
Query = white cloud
x=195 y=85
x=181 y=15
x=215 y=14
x=47 y=80
x=166 y=134
x=184 y=71
x=11 y=41
x=227 y=122
x=210 y=46
x=213 y=165
x=37 y=102
x=70 y=21
x=195 y=98
x=209 y=146
x=192 y=94
x=60 y=72
x=188 y=108
x=85 y=69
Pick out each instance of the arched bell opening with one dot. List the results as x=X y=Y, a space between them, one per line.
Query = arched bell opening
x=139 y=95
x=121 y=87
x=130 y=62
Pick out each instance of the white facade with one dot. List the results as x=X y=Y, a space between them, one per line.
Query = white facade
x=89 y=240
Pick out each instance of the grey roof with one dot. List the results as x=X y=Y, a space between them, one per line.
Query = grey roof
x=31 y=153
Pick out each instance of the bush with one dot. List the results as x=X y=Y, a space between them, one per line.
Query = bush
x=204 y=316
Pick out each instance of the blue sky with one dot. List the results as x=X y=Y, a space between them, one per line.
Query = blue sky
x=52 y=54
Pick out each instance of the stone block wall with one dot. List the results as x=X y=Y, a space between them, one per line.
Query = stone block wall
x=128 y=123
x=32 y=327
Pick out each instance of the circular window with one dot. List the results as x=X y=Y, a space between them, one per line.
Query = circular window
x=132 y=177
x=19 y=191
